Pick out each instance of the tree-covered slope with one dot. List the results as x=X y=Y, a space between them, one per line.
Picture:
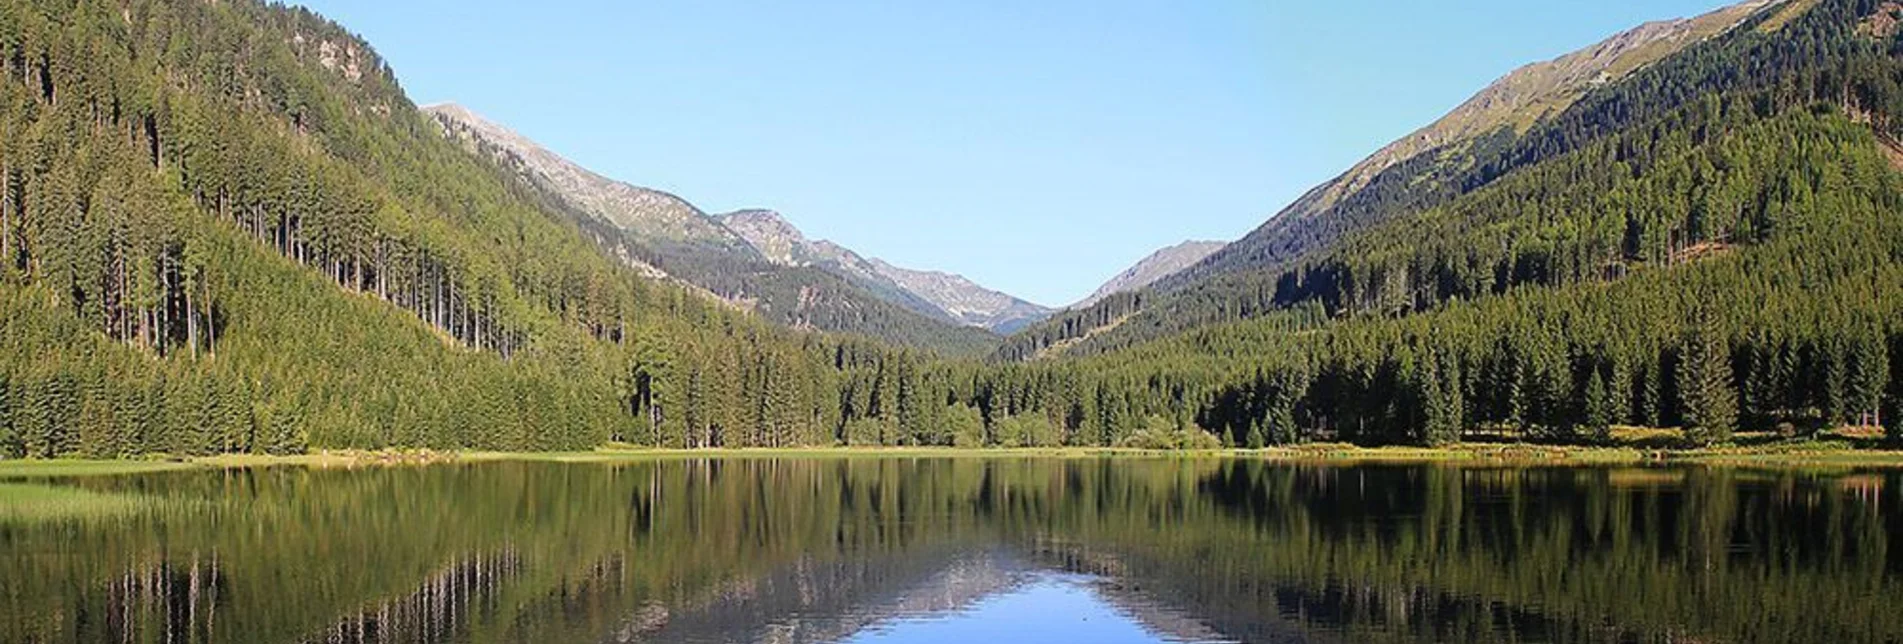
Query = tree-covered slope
x=1710 y=243
x=1534 y=114
x=1510 y=105
x=224 y=228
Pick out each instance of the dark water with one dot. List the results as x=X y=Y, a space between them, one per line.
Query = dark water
x=959 y=550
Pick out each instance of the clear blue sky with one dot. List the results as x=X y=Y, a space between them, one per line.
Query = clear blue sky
x=1037 y=147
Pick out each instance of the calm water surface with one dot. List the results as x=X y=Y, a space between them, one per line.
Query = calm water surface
x=956 y=550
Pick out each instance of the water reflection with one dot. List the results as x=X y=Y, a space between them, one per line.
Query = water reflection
x=922 y=549
x=1044 y=606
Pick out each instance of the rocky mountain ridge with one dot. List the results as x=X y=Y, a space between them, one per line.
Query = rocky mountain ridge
x=671 y=236
x=1158 y=265
x=948 y=296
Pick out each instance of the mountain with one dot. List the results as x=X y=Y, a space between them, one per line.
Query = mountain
x=941 y=295
x=1158 y=265
x=1508 y=107
x=651 y=215
x=665 y=235
x=784 y=245
x=964 y=300
x=1508 y=125
x=225 y=228
x=1710 y=242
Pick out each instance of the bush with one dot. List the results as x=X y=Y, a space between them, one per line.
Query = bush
x=965 y=424
x=1028 y=430
x=1160 y=433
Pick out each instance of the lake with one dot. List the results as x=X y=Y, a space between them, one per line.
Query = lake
x=966 y=549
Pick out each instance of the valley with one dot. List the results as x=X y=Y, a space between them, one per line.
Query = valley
x=295 y=257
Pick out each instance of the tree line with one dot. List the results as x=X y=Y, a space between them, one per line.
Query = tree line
x=214 y=237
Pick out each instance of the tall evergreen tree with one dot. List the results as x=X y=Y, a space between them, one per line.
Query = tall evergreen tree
x=1707 y=395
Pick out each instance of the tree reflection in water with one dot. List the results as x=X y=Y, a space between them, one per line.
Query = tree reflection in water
x=821 y=549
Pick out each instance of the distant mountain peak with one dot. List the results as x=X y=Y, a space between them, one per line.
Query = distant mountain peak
x=656 y=216
x=950 y=296
x=1158 y=265
x=966 y=300
x=769 y=233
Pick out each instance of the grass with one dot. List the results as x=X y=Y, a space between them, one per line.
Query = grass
x=33 y=503
x=17 y=469
x=1785 y=14
x=1846 y=447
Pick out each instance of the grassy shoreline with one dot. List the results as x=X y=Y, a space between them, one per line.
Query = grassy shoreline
x=1785 y=454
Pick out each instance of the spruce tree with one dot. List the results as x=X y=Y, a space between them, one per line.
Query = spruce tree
x=1869 y=375
x=1599 y=407
x=1288 y=387
x=1443 y=408
x=1707 y=396
x=1255 y=439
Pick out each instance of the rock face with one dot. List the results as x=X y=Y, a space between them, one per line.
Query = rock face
x=1158 y=265
x=941 y=295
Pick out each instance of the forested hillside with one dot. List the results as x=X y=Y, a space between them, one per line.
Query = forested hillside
x=224 y=228
x=1712 y=241
x=1743 y=58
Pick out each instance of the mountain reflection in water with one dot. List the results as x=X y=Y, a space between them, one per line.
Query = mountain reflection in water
x=959 y=549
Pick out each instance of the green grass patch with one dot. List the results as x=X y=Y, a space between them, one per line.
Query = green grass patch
x=34 y=503
x=1627 y=447
x=61 y=468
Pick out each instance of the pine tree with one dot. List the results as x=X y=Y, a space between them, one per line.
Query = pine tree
x=1707 y=396
x=283 y=431
x=1443 y=410
x=911 y=403
x=1893 y=396
x=1869 y=375
x=1255 y=439
x=1287 y=388
x=1599 y=407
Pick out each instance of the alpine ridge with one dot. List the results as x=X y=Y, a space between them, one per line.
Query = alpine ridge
x=1158 y=265
x=942 y=295
x=664 y=235
x=697 y=246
